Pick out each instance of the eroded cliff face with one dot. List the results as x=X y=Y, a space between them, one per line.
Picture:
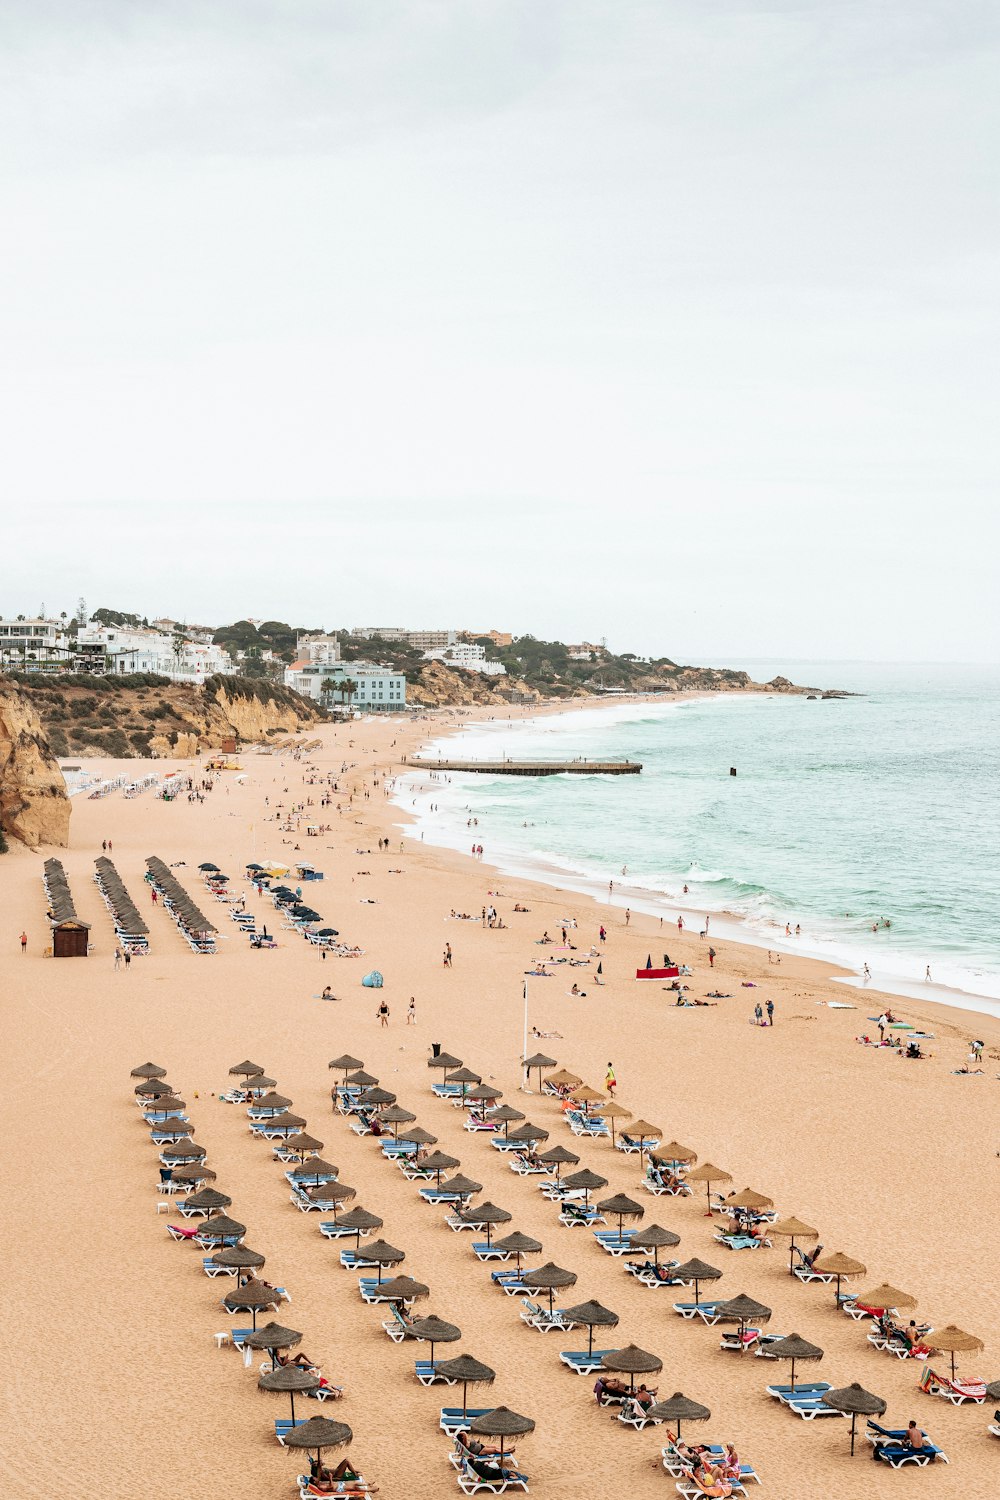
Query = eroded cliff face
x=34 y=806
x=441 y=686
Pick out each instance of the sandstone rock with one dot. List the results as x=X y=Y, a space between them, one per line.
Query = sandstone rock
x=34 y=806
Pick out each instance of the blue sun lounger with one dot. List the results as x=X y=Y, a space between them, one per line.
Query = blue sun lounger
x=454 y=1420
x=582 y=1363
x=284 y=1425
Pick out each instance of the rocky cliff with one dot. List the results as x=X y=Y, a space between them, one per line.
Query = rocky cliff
x=34 y=807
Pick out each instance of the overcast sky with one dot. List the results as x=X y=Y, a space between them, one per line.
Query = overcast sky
x=673 y=323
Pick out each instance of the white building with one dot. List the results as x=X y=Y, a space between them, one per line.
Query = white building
x=128 y=649
x=422 y=640
x=468 y=658
x=374 y=687
x=321 y=648
x=22 y=641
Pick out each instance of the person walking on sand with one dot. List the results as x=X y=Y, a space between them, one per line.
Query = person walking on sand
x=711 y=958
x=128 y=959
x=411 y=1012
x=24 y=942
x=758 y=1015
x=447 y=955
x=882 y=1023
x=610 y=1081
x=603 y=934
x=628 y=915
x=680 y=924
x=770 y=1012
x=383 y=1014
x=118 y=959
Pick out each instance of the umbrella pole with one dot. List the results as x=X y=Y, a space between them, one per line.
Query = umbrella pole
x=292 y=1394
x=792 y=1380
x=708 y=1203
x=465 y=1398
x=854 y=1418
x=590 y=1339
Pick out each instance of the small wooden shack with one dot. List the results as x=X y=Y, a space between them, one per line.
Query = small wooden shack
x=70 y=939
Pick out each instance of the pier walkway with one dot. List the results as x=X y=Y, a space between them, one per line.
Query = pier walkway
x=579 y=767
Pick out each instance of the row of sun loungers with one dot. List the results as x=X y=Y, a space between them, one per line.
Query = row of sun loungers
x=130 y=930
x=197 y=931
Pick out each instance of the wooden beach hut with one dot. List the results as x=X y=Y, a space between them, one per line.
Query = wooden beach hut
x=70 y=939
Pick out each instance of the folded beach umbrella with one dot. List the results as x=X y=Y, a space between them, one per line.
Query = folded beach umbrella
x=418 y=1135
x=792 y=1229
x=502 y=1423
x=290 y=1378
x=673 y=1154
x=209 y=1199
x=632 y=1361
x=677 y=1409
x=252 y=1298
x=742 y=1310
x=654 y=1238
x=697 y=1271
x=434 y=1330
x=587 y=1180
x=840 y=1266
x=313 y=1169
x=793 y=1347
x=621 y=1207
x=469 y=1371
x=403 y=1289
x=564 y=1080
x=590 y=1315
x=347 y=1062
x=952 y=1340
x=855 y=1401
x=518 y=1244
x=319 y=1433
x=558 y=1157
x=445 y=1061
x=438 y=1162
x=528 y=1134
x=882 y=1297
x=488 y=1214
x=246 y=1069
x=273 y=1337
x=548 y=1278
x=214 y=1231
x=360 y=1221
x=303 y=1144
x=148 y=1070
x=707 y=1173
x=538 y=1060
x=238 y=1258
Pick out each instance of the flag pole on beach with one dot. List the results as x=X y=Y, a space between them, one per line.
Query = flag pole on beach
x=524 y=1041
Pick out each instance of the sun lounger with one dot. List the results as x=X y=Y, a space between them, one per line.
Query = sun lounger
x=738 y=1343
x=809 y=1388
x=629 y=1147
x=331 y=1230
x=541 y=1318
x=525 y=1168
x=511 y=1282
x=501 y=1143
x=458 y=1223
x=482 y=1251
x=704 y=1310
x=955 y=1391
x=354 y=1260
x=582 y=1363
x=742 y=1242
x=439 y=1195
x=887 y=1345
x=180 y=1232
x=613 y=1242
x=397 y=1326
x=806 y=1273
x=284 y=1425
x=893 y=1449
x=454 y=1420
x=428 y=1373
x=309 y=1491
x=211 y=1270
x=487 y=1127
x=447 y=1090
x=812 y=1406
x=579 y=1218
x=692 y=1488
x=679 y=1467
x=470 y=1482
x=632 y=1414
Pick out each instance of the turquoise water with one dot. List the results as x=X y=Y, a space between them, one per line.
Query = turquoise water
x=844 y=812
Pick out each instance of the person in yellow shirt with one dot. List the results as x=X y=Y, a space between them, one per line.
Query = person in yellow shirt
x=610 y=1081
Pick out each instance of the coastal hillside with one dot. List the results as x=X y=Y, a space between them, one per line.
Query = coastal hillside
x=34 y=807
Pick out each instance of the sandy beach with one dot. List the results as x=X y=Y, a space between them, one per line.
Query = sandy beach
x=114 y=1376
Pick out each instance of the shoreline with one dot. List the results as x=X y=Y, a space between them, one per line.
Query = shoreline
x=840 y=968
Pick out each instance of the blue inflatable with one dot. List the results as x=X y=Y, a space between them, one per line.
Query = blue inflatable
x=372 y=981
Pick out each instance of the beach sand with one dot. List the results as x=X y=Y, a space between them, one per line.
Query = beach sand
x=114 y=1386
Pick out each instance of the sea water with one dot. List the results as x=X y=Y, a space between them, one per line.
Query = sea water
x=870 y=823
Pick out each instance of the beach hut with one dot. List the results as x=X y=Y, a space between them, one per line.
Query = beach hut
x=70 y=939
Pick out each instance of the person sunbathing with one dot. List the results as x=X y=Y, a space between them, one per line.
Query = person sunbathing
x=609 y=1388
x=473 y=1446
x=645 y=1397
x=710 y=1481
x=302 y=1360
x=807 y=1259
x=343 y=1480
x=915 y=1438
x=730 y=1463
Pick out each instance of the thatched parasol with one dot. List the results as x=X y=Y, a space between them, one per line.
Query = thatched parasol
x=538 y=1060
x=165 y=1104
x=444 y=1060
x=284 y=1124
x=632 y=1361
x=856 y=1402
x=184 y=1151
x=438 y=1162
x=586 y=1180
x=558 y=1157
x=742 y=1310
x=462 y=1187
x=362 y=1079
x=381 y=1253
x=208 y=1199
x=403 y=1289
x=319 y=1433
x=290 y=1378
x=793 y=1347
x=484 y=1093
x=194 y=1175
x=360 y=1221
x=678 y=1408
x=564 y=1080
x=245 y=1069
x=375 y=1098
x=952 y=1340
x=314 y=1167
x=464 y=1076
x=419 y=1135
x=591 y=1315
x=238 y=1258
x=347 y=1062
x=654 y=1238
x=675 y=1155
x=221 y=1229
x=175 y=1128
x=260 y=1083
x=154 y=1089
x=747 y=1203
x=621 y=1207
x=488 y=1214
x=272 y=1103
x=148 y=1070
x=840 y=1266
x=885 y=1296
x=303 y=1144
x=548 y=1278
x=793 y=1229
x=586 y=1096
x=993 y=1390
x=469 y=1371
x=642 y=1131
x=504 y=1115
x=528 y=1134
x=501 y=1423
x=697 y=1271
x=252 y=1298
x=395 y=1116
x=434 y=1330
x=518 y=1244
x=331 y=1192
x=273 y=1337
x=612 y=1111
x=707 y=1173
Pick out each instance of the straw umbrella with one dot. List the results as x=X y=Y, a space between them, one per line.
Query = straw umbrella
x=793 y=1347
x=707 y=1173
x=674 y=1154
x=331 y=1192
x=612 y=1111
x=748 y=1202
x=882 y=1297
x=445 y=1061
x=193 y=1175
x=222 y=1229
x=381 y=1253
x=620 y=1207
x=742 y=1310
x=952 y=1340
x=654 y=1238
x=290 y=1378
x=528 y=1135
x=434 y=1330
x=632 y=1361
x=175 y=1128
x=395 y=1116
x=303 y=1145
x=559 y=1157
x=375 y=1097
x=252 y=1298
x=469 y=1371
x=502 y=1423
x=855 y=1401
x=271 y=1104
x=518 y=1244
x=588 y=1181
x=465 y=1077
x=245 y=1069
x=347 y=1062
x=438 y=1162
x=678 y=1408
x=238 y=1258
x=419 y=1135
x=840 y=1266
x=538 y=1060
x=993 y=1390
x=319 y=1433
x=360 y=1221
x=462 y=1187
x=587 y=1096
x=505 y=1116
x=148 y=1070
x=165 y=1104
x=403 y=1289
x=565 y=1080
x=208 y=1200
x=697 y=1271
x=153 y=1088
x=641 y=1131
x=548 y=1278
x=591 y=1315
x=488 y=1214
x=184 y=1151
x=273 y=1337
x=260 y=1083
x=483 y=1094
x=284 y=1124
x=793 y=1229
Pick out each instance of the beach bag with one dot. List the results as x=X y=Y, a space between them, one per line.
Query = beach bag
x=372 y=981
